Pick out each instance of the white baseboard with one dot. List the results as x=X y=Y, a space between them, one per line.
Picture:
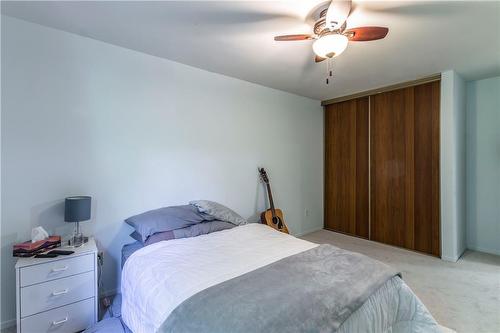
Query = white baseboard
x=454 y=258
x=451 y=259
x=472 y=248
x=300 y=234
x=8 y=323
x=484 y=249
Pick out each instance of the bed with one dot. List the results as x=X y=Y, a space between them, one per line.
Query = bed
x=252 y=279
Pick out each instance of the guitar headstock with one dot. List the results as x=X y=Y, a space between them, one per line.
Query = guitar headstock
x=263 y=175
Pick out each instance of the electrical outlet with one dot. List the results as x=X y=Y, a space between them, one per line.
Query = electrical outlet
x=306 y=212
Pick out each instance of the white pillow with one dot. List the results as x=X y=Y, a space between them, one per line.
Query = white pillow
x=218 y=211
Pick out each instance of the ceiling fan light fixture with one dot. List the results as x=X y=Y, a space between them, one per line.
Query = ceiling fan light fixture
x=330 y=46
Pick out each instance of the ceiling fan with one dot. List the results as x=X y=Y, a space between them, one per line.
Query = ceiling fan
x=330 y=34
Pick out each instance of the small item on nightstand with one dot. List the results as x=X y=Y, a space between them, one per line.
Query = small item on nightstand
x=61 y=252
x=29 y=249
x=46 y=255
x=38 y=234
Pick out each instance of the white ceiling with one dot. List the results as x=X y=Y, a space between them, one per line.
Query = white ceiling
x=235 y=38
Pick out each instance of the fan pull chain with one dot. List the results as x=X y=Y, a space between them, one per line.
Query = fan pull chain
x=331 y=67
x=329 y=70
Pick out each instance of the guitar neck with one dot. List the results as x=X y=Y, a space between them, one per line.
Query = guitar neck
x=270 y=194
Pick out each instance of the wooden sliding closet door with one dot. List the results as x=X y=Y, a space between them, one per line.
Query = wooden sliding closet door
x=404 y=153
x=392 y=168
x=346 y=167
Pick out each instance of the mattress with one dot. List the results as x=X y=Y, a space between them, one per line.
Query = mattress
x=156 y=279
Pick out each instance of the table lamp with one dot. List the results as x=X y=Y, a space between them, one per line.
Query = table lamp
x=77 y=209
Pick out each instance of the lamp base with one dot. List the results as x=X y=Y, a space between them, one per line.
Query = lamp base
x=77 y=241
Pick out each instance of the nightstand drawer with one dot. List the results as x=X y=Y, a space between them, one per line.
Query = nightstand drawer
x=70 y=318
x=56 y=269
x=48 y=295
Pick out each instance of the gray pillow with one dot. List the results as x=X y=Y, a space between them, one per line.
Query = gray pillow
x=135 y=235
x=161 y=236
x=218 y=211
x=154 y=238
x=165 y=219
x=202 y=229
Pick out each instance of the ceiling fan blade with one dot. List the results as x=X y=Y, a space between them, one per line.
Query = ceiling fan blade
x=293 y=37
x=364 y=34
x=318 y=59
x=337 y=13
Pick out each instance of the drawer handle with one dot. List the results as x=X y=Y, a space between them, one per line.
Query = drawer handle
x=56 y=293
x=60 y=269
x=59 y=322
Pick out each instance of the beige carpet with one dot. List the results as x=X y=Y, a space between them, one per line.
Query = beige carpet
x=464 y=296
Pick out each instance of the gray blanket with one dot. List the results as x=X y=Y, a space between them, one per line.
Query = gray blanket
x=313 y=291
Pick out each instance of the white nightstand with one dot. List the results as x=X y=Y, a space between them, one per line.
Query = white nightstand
x=57 y=294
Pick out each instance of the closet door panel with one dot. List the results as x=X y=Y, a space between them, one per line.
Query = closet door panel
x=346 y=167
x=362 y=212
x=392 y=167
x=340 y=161
x=427 y=200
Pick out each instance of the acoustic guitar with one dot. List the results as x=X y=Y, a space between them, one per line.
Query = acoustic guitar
x=273 y=217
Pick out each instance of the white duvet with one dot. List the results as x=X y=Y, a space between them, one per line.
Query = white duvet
x=159 y=277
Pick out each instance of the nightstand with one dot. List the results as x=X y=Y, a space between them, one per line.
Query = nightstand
x=57 y=294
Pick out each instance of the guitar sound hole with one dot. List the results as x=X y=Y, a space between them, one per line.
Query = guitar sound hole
x=277 y=221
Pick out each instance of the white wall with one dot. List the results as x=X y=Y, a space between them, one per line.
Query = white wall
x=483 y=165
x=452 y=166
x=1 y=238
x=138 y=132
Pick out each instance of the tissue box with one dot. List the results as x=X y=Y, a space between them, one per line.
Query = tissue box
x=28 y=249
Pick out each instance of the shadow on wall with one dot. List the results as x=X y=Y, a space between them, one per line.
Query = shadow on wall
x=112 y=256
x=50 y=216
x=261 y=202
x=8 y=273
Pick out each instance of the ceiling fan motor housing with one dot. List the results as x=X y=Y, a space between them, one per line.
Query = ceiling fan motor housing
x=321 y=28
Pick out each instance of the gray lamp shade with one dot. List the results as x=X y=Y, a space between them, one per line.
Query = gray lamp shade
x=77 y=209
